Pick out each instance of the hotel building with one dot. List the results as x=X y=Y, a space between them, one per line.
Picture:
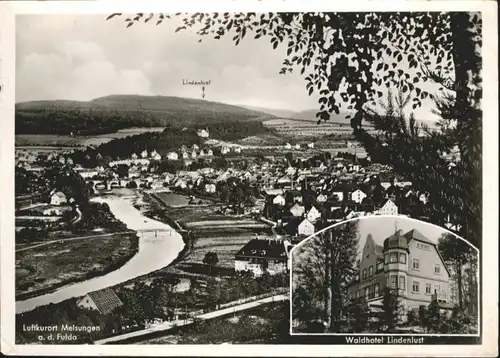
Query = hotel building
x=408 y=262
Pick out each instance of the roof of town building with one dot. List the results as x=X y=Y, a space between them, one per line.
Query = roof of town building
x=106 y=300
x=263 y=248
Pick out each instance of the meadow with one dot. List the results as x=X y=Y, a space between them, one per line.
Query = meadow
x=42 y=269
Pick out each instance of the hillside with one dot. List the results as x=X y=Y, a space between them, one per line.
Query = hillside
x=281 y=113
x=111 y=113
x=310 y=115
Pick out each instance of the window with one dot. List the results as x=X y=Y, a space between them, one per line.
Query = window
x=402 y=282
x=416 y=264
x=386 y=258
x=394 y=257
x=370 y=271
x=364 y=273
x=394 y=281
x=416 y=287
x=402 y=258
x=437 y=269
x=428 y=289
x=350 y=295
x=367 y=292
x=380 y=265
x=377 y=290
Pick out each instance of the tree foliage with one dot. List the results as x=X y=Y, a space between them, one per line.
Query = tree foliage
x=324 y=266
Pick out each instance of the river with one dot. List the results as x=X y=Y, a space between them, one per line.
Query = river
x=156 y=250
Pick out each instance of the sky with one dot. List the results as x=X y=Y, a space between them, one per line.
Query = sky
x=81 y=57
x=381 y=227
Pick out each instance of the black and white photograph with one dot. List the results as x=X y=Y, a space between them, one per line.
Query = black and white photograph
x=385 y=275
x=257 y=178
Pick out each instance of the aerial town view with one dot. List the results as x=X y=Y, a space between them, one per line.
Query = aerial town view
x=161 y=185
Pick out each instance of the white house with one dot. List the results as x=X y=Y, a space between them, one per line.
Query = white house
x=202 y=153
x=313 y=214
x=237 y=149
x=193 y=154
x=357 y=196
x=297 y=146
x=310 y=145
x=423 y=198
x=203 y=133
x=209 y=152
x=185 y=155
x=58 y=198
x=306 y=228
x=389 y=208
x=210 y=188
x=321 y=198
x=225 y=150
x=144 y=154
x=156 y=156
x=172 y=156
x=288 y=146
x=297 y=210
x=339 y=195
x=279 y=200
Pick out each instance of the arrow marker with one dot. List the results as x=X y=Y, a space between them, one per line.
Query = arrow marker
x=202 y=91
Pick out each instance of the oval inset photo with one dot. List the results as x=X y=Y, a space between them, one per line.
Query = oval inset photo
x=384 y=275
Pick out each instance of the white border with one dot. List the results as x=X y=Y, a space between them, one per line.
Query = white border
x=402 y=218
x=489 y=347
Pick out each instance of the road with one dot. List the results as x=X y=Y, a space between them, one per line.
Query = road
x=73 y=239
x=169 y=325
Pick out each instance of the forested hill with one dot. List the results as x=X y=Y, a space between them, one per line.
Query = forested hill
x=111 y=113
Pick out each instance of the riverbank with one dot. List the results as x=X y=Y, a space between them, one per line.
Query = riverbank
x=159 y=245
x=57 y=265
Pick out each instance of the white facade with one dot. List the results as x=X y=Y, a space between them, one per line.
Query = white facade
x=210 y=188
x=321 y=198
x=389 y=208
x=358 y=196
x=297 y=210
x=279 y=200
x=306 y=228
x=58 y=198
x=313 y=214
x=172 y=156
x=339 y=195
x=88 y=303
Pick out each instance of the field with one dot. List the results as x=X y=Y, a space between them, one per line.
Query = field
x=173 y=200
x=47 y=267
x=77 y=141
